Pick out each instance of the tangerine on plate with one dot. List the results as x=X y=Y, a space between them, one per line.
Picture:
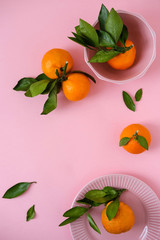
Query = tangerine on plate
x=124 y=60
x=122 y=222
x=56 y=59
x=76 y=87
x=133 y=146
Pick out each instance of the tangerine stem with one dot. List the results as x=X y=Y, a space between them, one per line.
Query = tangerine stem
x=136 y=135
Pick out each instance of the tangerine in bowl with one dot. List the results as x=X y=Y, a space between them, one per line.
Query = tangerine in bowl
x=144 y=39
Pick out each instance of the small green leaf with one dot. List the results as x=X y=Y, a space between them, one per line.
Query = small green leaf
x=67 y=221
x=92 y=223
x=110 y=190
x=105 y=40
x=88 y=31
x=75 y=212
x=103 y=14
x=138 y=95
x=112 y=209
x=110 y=197
x=86 y=201
x=24 y=84
x=98 y=196
x=77 y=28
x=42 y=76
x=124 y=35
x=17 y=190
x=28 y=93
x=122 y=49
x=78 y=41
x=120 y=191
x=124 y=141
x=128 y=101
x=114 y=25
x=142 y=141
x=38 y=87
x=96 y=193
x=103 y=56
x=30 y=213
x=86 y=42
x=86 y=74
x=49 y=87
x=51 y=102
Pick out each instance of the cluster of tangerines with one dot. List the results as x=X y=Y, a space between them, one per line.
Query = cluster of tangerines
x=57 y=74
x=75 y=85
x=57 y=66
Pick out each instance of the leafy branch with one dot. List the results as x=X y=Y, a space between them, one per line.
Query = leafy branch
x=95 y=198
x=45 y=85
x=104 y=40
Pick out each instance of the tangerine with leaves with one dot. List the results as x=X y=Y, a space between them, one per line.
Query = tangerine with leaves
x=124 y=60
x=122 y=222
x=76 y=87
x=135 y=138
x=55 y=59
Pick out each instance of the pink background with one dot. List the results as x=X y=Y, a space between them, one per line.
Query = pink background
x=77 y=142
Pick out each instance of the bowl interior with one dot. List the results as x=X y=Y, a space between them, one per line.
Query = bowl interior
x=142 y=37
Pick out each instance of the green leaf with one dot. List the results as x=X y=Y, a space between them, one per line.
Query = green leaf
x=97 y=196
x=17 y=190
x=67 y=221
x=77 y=28
x=124 y=141
x=86 y=201
x=112 y=209
x=24 y=84
x=51 y=102
x=110 y=190
x=96 y=193
x=28 y=93
x=38 y=87
x=103 y=56
x=114 y=25
x=48 y=88
x=128 y=101
x=78 y=41
x=120 y=191
x=102 y=18
x=86 y=74
x=138 y=95
x=83 y=40
x=75 y=212
x=92 y=223
x=42 y=76
x=142 y=141
x=88 y=31
x=110 y=197
x=124 y=35
x=122 y=49
x=105 y=40
x=30 y=213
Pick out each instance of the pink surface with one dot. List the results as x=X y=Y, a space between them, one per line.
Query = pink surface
x=78 y=141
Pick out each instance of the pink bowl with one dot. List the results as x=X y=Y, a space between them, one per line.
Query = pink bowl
x=144 y=38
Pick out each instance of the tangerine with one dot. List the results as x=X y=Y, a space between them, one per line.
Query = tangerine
x=122 y=222
x=76 y=87
x=124 y=60
x=133 y=146
x=56 y=59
